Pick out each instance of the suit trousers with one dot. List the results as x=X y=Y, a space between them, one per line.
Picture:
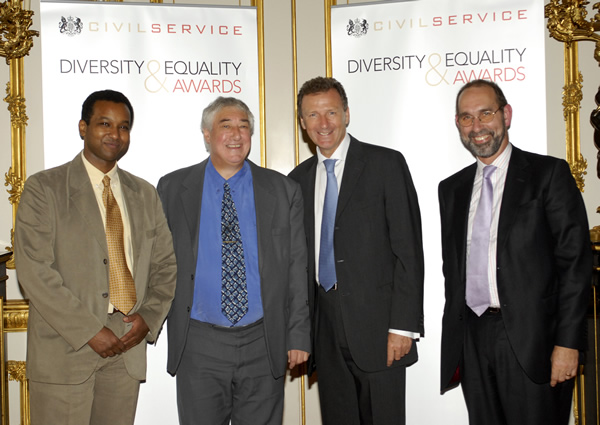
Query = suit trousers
x=496 y=389
x=225 y=375
x=349 y=395
x=108 y=397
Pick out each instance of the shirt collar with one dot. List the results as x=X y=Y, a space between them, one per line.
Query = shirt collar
x=96 y=176
x=500 y=162
x=340 y=153
x=233 y=180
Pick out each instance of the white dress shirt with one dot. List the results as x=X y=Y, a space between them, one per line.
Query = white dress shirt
x=498 y=179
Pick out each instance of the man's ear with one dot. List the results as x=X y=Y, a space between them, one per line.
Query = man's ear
x=82 y=129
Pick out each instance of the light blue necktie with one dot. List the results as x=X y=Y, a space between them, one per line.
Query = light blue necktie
x=478 y=289
x=327 y=276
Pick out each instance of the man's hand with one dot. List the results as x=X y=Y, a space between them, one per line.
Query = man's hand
x=296 y=357
x=106 y=343
x=137 y=333
x=398 y=346
x=564 y=364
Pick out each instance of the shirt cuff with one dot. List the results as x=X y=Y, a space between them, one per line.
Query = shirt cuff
x=413 y=335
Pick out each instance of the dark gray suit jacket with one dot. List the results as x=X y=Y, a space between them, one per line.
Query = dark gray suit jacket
x=62 y=264
x=543 y=262
x=378 y=250
x=281 y=258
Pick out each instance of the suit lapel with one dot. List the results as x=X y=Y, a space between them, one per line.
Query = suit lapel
x=309 y=202
x=191 y=200
x=352 y=170
x=462 y=201
x=135 y=211
x=264 y=203
x=516 y=179
x=83 y=197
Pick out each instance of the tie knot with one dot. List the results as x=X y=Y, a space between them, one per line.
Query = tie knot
x=488 y=171
x=330 y=165
x=106 y=181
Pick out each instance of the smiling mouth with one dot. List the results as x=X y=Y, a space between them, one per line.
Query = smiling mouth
x=480 y=139
x=234 y=146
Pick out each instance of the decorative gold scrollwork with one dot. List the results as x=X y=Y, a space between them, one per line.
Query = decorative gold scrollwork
x=16 y=370
x=16 y=184
x=572 y=96
x=16 y=107
x=567 y=23
x=16 y=39
x=578 y=169
x=567 y=20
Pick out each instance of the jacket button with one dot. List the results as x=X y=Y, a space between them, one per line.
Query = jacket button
x=105 y=295
x=188 y=309
x=105 y=261
x=192 y=277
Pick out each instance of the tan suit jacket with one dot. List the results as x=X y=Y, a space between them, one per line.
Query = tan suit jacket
x=62 y=265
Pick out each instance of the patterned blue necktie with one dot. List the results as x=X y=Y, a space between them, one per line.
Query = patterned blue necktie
x=327 y=275
x=234 y=293
x=478 y=288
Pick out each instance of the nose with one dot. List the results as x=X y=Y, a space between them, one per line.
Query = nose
x=113 y=132
x=477 y=126
x=235 y=133
x=323 y=122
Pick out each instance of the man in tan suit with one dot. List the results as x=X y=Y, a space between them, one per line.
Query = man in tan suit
x=86 y=350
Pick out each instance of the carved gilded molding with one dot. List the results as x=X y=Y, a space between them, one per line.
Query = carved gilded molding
x=16 y=39
x=572 y=96
x=16 y=107
x=16 y=370
x=16 y=186
x=567 y=23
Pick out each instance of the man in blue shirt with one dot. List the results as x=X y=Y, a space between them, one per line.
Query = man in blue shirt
x=240 y=313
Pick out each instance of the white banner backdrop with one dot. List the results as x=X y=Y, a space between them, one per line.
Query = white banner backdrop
x=402 y=64
x=171 y=61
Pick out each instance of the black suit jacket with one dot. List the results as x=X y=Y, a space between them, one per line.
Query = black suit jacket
x=281 y=259
x=543 y=262
x=378 y=250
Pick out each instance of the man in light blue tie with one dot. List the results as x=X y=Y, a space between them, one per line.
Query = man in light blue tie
x=365 y=264
x=517 y=268
x=240 y=313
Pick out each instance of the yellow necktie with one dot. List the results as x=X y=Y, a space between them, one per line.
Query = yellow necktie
x=121 y=285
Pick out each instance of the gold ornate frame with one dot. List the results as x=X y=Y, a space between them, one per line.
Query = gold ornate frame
x=567 y=23
x=15 y=42
x=13 y=318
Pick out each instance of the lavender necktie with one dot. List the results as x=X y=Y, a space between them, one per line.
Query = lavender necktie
x=478 y=290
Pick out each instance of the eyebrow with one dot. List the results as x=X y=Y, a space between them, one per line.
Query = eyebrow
x=229 y=119
x=478 y=111
x=106 y=118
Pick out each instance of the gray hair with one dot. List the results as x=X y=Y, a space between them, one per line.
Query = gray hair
x=208 y=115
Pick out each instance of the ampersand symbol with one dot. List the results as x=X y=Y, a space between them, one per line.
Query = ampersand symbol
x=153 y=76
x=433 y=68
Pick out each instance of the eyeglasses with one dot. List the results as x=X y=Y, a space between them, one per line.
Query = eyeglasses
x=485 y=117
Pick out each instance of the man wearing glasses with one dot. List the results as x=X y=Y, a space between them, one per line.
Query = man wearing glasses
x=517 y=267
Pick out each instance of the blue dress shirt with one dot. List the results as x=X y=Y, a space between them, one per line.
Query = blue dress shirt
x=207 y=283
